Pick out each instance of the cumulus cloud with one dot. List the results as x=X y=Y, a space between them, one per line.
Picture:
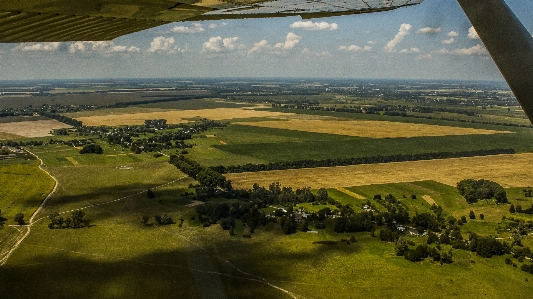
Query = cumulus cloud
x=424 y=57
x=290 y=42
x=355 y=48
x=37 y=47
x=404 y=30
x=453 y=34
x=194 y=28
x=310 y=54
x=219 y=44
x=162 y=44
x=409 y=51
x=472 y=34
x=309 y=25
x=104 y=47
x=429 y=30
x=371 y=42
x=258 y=47
x=475 y=50
x=214 y=25
x=448 y=41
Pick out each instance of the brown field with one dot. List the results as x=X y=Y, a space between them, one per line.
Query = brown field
x=172 y=116
x=39 y=128
x=507 y=170
x=368 y=128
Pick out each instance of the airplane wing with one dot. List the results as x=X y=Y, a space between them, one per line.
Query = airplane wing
x=94 y=20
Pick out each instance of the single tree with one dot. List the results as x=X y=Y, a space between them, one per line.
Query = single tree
x=150 y=194
x=512 y=209
x=472 y=215
x=303 y=226
x=19 y=218
x=145 y=219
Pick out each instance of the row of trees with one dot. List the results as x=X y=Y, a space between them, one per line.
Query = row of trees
x=357 y=161
x=519 y=209
x=76 y=220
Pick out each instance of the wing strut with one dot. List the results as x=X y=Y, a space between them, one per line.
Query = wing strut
x=509 y=44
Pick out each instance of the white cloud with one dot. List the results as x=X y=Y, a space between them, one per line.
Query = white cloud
x=355 y=48
x=258 y=47
x=310 y=54
x=453 y=34
x=448 y=41
x=104 y=47
x=290 y=42
x=404 y=30
x=214 y=25
x=475 y=50
x=371 y=42
x=412 y=50
x=194 y=28
x=429 y=30
x=309 y=25
x=229 y=43
x=162 y=44
x=350 y=48
x=424 y=57
x=219 y=44
x=37 y=47
x=472 y=34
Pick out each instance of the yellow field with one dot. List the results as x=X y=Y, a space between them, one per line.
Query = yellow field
x=507 y=170
x=39 y=128
x=172 y=116
x=429 y=200
x=365 y=128
x=352 y=194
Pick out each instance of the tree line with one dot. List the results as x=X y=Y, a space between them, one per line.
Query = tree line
x=358 y=161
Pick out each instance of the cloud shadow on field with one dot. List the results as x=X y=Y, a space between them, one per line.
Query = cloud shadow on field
x=190 y=273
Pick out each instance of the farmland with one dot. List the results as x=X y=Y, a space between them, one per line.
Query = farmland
x=509 y=170
x=369 y=129
x=125 y=252
x=38 y=128
x=116 y=118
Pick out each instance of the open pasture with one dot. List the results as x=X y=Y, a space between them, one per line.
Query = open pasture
x=39 y=128
x=507 y=170
x=368 y=129
x=137 y=116
x=119 y=257
x=24 y=186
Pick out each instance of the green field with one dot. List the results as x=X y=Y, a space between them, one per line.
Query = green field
x=249 y=144
x=24 y=187
x=119 y=257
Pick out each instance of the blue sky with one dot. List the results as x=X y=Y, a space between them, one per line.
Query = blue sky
x=433 y=40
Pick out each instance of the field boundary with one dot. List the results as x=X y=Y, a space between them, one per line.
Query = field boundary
x=429 y=200
x=350 y=193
